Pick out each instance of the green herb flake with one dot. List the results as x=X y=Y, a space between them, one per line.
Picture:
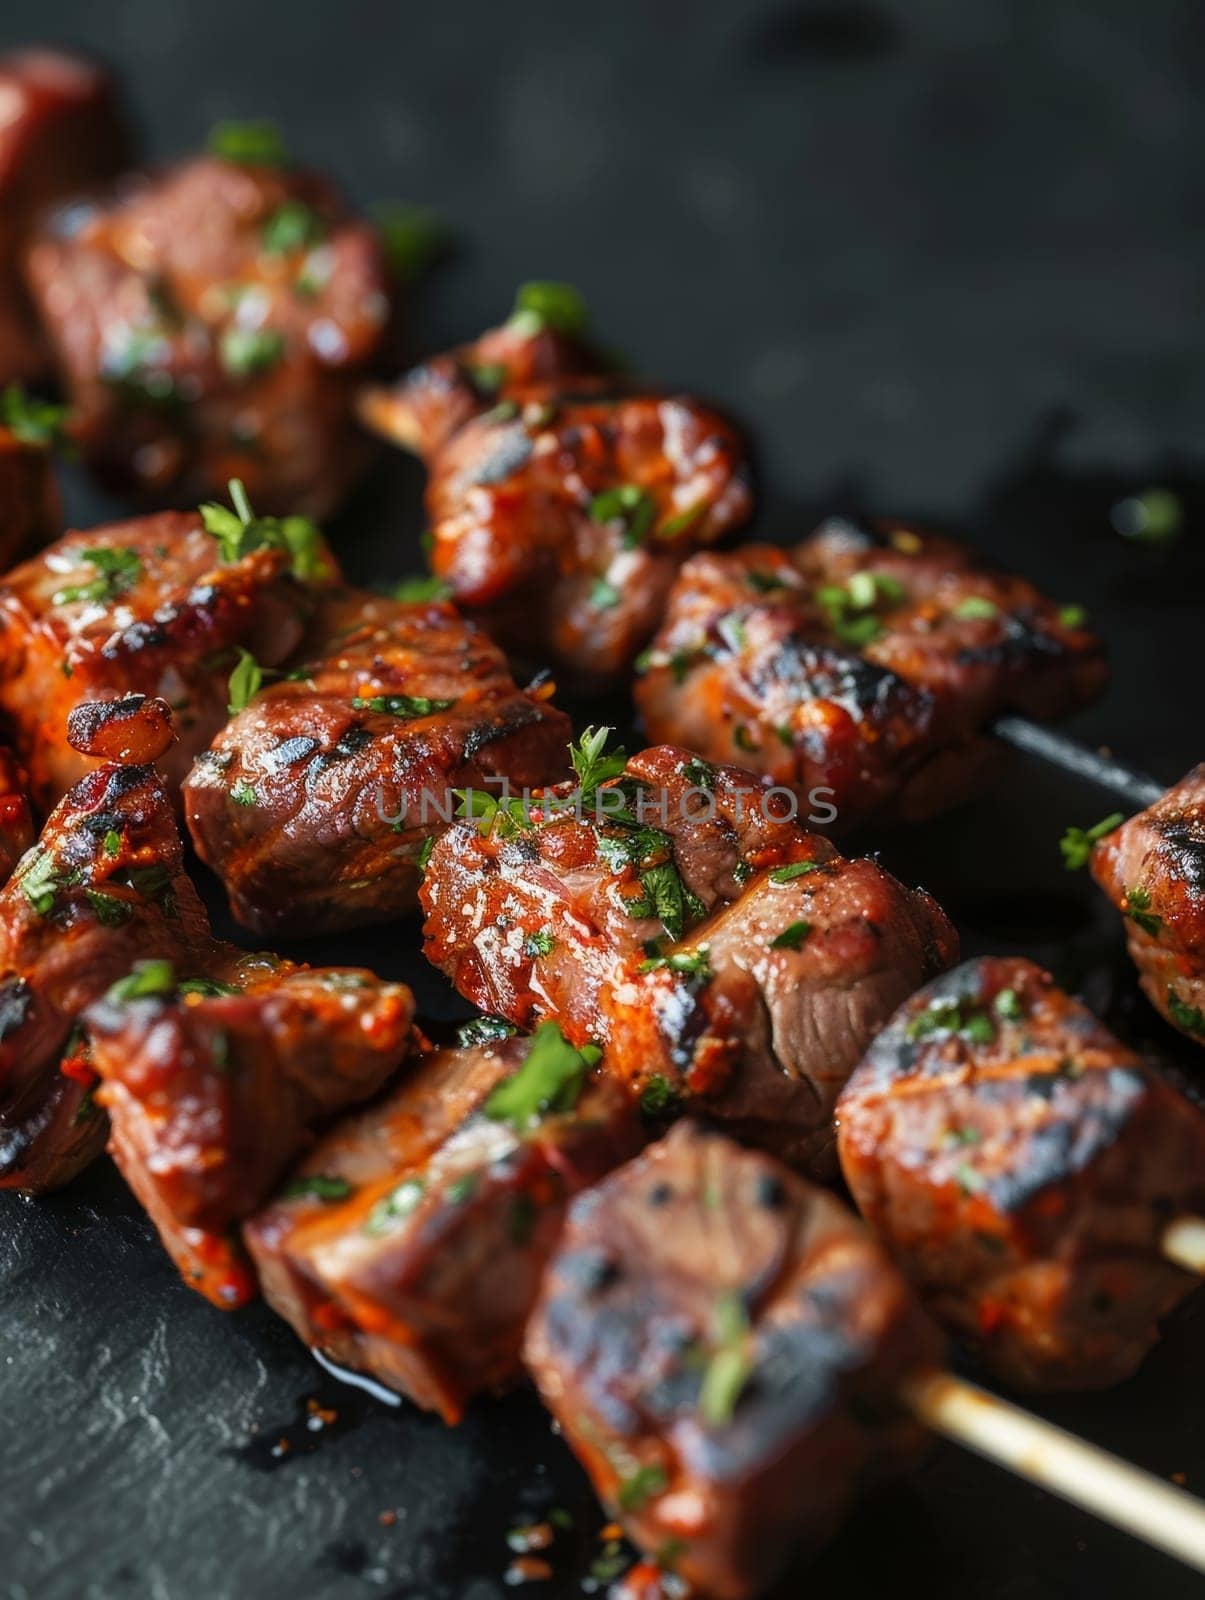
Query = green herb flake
x=110 y=910
x=539 y=943
x=318 y=1186
x=593 y=763
x=1138 y=902
x=731 y=1364
x=464 y=1188
x=641 y=1486
x=604 y=596
x=414 y=237
x=484 y=1030
x=413 y=591
x=1076 y=844
x=659 y=1098
x=976 y=608
x=795 y=869
x=292 y=226
x=407 y=707
x=145 y=980
x=1007 y=1005
x=246 y=352
x=117 y=571
x=249 y=144
x=1073 y=616
x=1190 y=1018
x=243 y=793
x=791 y=937
x=40 y=882
x=550 y=1080
x=244 y=683
x=949 y=1016
x=627 y=504
x=239 y=532
x=689 y=963
x=33 y=421
x=557 y=307
x=401 y=1202
x=111 y=843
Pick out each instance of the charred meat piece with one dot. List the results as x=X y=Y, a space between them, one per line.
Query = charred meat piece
x=62 y=131
x=155 y=606
x=104 y=887
x=213 y=321
x=314 y=804
x=723 y=1345
x=16 y=821
x=724 y=956
x=30 y=513
x=1022 y=1165
x=535 y=919
x=561 y=514
x=215 y=1082
x=135 y=730
x=410 y=1242
x=862 y=669
x=1153 y=870
x=543 y=341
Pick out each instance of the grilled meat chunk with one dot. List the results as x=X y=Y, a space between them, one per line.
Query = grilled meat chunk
x=213 y=321
x=29 y=495
x=722 y=1345
x=410 y=1242
x=314 y=803
x=143 y=607
x=62 y=131
x=1153 y=870
x=860 y=670
x=135 y=730
x=561 y=514
x=104 y=886
x=1022 y=1166
x=215 y=1083
x=723 y=955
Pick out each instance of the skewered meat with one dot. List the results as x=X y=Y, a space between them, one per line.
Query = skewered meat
x=562 y=513
x=1022 y=1166
x=29 y=495
x=104 y=886
x=409 y=1244
x=722 y=1345
x=214 y=1083
x=861 y=669
x=1153 y=870
x=213 y=321
x=725 y=956
x=16 y=821
x=313 y=805
x=155 y=606
x=61 y=131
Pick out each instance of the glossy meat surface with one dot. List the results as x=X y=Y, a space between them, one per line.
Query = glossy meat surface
x=861 y=669
x=16 y=820
x=142 y=607
x=1022 y=1166
x=30 y=513
x=722 y=1345
x=60 y=132
x=1153 y=870
x=410 y=1243
x=216 y=1079
x=314 y=803
x=561 y=512
x=723 y=955
x=104 y=887
x=211 y=322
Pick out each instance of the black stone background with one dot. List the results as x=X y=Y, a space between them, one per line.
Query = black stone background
x=945 y=258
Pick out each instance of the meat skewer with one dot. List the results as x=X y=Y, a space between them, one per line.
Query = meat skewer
x=733 y=1357
x=1035 y=1179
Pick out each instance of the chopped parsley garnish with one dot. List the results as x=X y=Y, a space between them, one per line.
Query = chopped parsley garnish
x=659 y=1098
x=424 y=853
x=110 y=910
x=540 y=943
x=111 y=843
x=292 y=226
x=415 y=238
x=484 y=1029
x=239 y=532
x=743 y=739
x=1190 y=1018
x=406 y=706
x=850 y=610
x=664 y=897
x=117 y=570
x=604 y=596
x=550 y=1080
x=31 y=420
x=976 y=608
x=400 y=1203
x=319 y=1186
x=699 y=774
x=543 y=305
x=1076 y=844
x=492 y=812
x=640 y=1486
x=731 y=1363
x=948 y=1016
x=1007 y=1004
x=682 y=521
x=765 y=582
x=245 y=682
x=464 y=1188
x=40 y=883
x=791 y=937
x=250 y=144
x=795 y=869
x=243 y=793
x=593 y=763
x=969 y=1181
x=414 y=590
x=211 y=988
x=145 y=980
x=629 y=504
x=247 y=351
x=692 y=963
x=1073 y=616
x=1138 y=909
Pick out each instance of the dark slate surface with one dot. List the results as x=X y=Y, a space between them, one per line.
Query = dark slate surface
x=945 y=258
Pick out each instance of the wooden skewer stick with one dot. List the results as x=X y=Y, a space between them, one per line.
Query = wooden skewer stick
x=1129 y=1498
x=1184 y=1243
x=1137 y=789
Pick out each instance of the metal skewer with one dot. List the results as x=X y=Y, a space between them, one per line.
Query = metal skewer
x=1137 y=789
